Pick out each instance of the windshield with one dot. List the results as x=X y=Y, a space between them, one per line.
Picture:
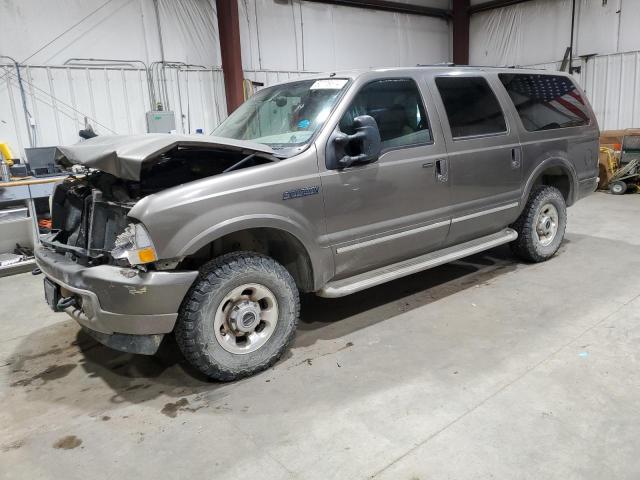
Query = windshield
x=284 y=116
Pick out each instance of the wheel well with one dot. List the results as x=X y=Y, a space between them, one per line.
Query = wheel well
x=283 y=247
x=556 y=177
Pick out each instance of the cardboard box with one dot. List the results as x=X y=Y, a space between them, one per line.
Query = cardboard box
x=606 y=166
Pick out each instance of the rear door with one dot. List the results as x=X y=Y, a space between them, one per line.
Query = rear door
x=484 y=154
x=397 y=207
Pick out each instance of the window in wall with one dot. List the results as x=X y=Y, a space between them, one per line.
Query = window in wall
x=472 y=107
x=546 y=102
x=397 y=108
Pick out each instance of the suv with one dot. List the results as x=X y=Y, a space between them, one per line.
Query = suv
x=330 y=184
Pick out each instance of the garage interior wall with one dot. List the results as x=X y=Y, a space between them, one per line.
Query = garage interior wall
x=280 y=39
x=537 y=33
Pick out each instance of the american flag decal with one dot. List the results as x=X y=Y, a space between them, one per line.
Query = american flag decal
x=556 y=92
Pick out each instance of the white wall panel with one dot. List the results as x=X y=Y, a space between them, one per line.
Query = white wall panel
x=629 y=20
x=523 y=34
x=273 y=77
x=125 y=29
x=611 y=83
x=306 y=36
x=539 y=31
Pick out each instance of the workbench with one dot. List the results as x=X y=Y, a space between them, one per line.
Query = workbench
x=23 y=230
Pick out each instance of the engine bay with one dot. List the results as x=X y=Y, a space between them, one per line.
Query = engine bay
x=90 y=210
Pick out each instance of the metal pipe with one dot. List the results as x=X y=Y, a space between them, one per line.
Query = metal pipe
x=116 y=62
x=23 y=96
x=160 y=42
x=106 y=62
x=573 y=21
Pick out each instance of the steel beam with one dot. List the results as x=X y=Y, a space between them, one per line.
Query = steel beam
x=229 y=34
x=461 y=32
x=390 y=6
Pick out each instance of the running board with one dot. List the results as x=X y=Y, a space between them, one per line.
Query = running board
x=354 y=284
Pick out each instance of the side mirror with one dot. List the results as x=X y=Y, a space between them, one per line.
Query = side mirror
x=362 y=147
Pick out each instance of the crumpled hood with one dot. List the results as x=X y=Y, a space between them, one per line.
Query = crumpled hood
x=124 y=155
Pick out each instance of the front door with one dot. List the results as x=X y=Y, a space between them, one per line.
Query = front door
x=484 y=155
x=397 y=207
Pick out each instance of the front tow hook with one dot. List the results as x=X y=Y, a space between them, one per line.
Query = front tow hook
x=65 y=303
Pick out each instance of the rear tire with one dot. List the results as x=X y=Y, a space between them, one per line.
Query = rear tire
x=541 y=225
x=239 y=316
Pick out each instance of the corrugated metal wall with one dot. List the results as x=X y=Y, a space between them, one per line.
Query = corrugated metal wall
x=611 y=83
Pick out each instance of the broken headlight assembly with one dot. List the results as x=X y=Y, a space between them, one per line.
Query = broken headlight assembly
x=134 y=245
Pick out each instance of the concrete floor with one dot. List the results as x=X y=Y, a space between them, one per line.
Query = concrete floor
x=486 y=368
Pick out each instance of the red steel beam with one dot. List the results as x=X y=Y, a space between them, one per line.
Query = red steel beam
x=461 y=16
x=229 y=34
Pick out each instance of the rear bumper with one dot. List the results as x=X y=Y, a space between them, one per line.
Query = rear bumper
x=115 y=300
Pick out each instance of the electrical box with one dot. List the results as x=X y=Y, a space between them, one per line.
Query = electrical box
x=161 y=121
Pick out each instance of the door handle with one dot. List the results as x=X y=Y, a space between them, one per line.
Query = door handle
x=427 y=165
x=442 y=170
x=516 y=155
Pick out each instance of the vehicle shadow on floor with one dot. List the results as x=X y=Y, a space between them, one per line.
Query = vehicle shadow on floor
x=331 y=318
x=57 y=350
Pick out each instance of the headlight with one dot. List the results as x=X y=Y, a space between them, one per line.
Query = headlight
x=134 y=245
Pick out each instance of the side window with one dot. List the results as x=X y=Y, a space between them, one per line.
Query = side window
x=396 y=106
x=472 y=107
x=545 y=102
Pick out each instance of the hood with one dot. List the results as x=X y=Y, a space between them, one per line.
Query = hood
x=124 y=155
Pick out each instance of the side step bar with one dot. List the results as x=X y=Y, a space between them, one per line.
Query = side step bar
x=354 y=284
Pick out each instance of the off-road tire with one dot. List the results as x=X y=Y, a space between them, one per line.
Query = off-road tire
x=526 y=245
x=194 y=328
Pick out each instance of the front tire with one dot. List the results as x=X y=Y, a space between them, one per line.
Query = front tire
x=541 y=225
x=239 y=316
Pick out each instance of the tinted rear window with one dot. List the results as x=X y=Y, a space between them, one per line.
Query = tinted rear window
x=546 y=102
x=471 y=105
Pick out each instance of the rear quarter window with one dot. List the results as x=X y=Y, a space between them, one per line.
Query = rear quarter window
x=546 y=102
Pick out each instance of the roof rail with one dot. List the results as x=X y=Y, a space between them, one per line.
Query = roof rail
x=441 y=64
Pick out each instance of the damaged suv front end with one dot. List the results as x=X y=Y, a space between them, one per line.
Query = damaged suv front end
x=100 y=264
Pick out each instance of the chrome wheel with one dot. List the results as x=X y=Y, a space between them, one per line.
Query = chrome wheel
x=546 y=225
x=246 y=318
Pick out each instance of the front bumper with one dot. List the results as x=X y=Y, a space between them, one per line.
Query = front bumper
x=115 y=300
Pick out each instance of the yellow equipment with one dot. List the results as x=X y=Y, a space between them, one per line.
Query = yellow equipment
x=6 y=153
